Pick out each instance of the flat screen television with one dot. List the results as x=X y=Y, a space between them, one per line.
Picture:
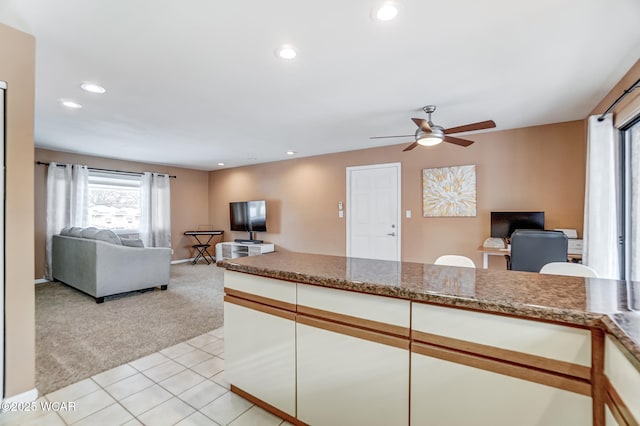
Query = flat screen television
x=504 y=223
x=248 y=216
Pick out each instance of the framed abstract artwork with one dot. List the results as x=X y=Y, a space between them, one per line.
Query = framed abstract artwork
x=449 y=191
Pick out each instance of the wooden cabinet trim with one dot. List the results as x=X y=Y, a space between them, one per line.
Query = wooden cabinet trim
x=268 y=407
x=617 y=406
x=260 y=307
x=261 y=299
x=359 y=333
x=518 y=371
x=597 y=376
x=507 y=355
x=376 y=326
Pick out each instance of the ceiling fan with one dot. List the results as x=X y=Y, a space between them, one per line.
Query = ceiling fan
x=429 y=134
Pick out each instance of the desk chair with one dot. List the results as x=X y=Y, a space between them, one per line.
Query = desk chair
x=455 y=260
x=569 y=269
x=202 y=250
x=532 y=249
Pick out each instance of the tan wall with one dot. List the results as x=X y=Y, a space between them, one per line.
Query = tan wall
x=189 y=198
x=535 y=168
x=17 y=68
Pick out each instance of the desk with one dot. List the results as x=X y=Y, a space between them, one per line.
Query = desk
x=489 y=251
x=202 y=247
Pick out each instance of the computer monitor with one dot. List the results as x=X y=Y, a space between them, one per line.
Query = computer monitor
x=504 y=223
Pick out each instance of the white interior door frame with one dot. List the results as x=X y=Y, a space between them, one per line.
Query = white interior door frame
x=3 y=87
x=348 y=209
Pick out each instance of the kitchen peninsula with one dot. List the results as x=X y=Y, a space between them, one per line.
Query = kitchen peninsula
x=322 y=339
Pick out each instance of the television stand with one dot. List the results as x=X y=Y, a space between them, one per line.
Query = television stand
x=248 y=241
x=235 y=250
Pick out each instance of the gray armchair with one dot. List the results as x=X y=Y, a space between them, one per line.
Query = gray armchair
x=532 y=249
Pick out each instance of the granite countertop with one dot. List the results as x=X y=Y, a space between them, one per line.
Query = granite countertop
x=592 y=302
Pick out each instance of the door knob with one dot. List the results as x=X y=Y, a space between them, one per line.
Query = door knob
x=393 y=234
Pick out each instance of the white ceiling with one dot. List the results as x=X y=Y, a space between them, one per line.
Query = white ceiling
x=194 y=82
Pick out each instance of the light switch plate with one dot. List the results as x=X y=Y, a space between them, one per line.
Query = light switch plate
x=407 y=214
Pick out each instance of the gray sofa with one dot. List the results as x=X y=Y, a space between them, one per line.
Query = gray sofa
x=96 y=263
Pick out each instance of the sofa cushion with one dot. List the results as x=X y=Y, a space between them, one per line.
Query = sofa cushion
x=130 y=242
x=108 y=236
x=65 y=231
x=90 y=232
x=76 y=232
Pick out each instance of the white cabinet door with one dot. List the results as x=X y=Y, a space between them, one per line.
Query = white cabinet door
x=624 y=378
x=346 y=380
x=446 y=393
x=260 y=355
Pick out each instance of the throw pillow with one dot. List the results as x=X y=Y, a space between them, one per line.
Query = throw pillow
x=76 y=232
x=90 y=232
x=108 y=236
x=129 y=242
x=65 y=231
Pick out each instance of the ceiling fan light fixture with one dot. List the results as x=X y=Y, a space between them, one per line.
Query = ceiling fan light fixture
x=430 y=140
x=434 y=137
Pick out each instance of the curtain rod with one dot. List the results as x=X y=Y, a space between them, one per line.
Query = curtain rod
x=617 y=101
x=42 y=163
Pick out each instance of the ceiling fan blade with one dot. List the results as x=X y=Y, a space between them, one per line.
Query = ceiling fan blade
x=410 y=147
x=423 y=124
x=457 y=141
x=489 y=124
x=385 y=137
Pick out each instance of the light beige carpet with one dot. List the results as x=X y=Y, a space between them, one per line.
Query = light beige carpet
x=77 y=338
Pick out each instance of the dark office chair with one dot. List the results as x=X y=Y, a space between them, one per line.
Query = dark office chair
x=532 y=249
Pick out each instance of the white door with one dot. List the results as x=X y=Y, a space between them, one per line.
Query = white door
x=3 y=86
x=373 y=211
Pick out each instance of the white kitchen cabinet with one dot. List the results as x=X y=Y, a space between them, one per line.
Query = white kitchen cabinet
x=448 y=393
x=353 y=358
x=260 y=358
x=347 y=380
x=479 y=368
x=260 y=348
x=624 y=379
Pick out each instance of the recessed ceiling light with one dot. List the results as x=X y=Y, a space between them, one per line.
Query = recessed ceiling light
x=220 y=164
x=70 y=104
x=291 y=152
x=92 y=87
x=386 y=12
x=287 y=52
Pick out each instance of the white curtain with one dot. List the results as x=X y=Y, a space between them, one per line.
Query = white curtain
x=601 y=201
x=67 y=202
x=155 y=221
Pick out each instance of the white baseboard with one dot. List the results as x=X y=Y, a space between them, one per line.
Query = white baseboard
x=28 y=396
x=174 y=262
x=41 y=281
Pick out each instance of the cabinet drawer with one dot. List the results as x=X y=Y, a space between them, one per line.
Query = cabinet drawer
x=557 y=342
x=269 y=288
x=377 y=312
x=623 y=376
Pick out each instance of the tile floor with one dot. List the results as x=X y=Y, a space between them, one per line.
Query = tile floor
x=182 y=385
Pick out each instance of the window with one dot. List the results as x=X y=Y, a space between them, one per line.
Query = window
x=114 y=200
x=631 y=200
